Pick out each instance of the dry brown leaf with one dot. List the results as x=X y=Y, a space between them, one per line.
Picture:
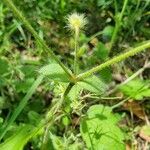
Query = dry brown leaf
x=135 y=108
x=145 y=133
x=94 y=42
x=128 y=147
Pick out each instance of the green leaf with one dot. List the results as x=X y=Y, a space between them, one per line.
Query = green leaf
x=100 y=131
x=57 y=142
x=19 y=139
x=74 y=92
x=54 y=72
x=23 y=86
x=106 y=74
x=2 y=81
x=103 y=3
x=29 y=70
x=34 y=118
x=101 y=52
x=4 y=69
x=3 y=103
x=4 y=66
x=66 y=120
x=93 y=84
x=108 y=31
x=136 y=89
x=21 y=105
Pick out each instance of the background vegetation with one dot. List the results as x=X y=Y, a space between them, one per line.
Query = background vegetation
x=109 y=111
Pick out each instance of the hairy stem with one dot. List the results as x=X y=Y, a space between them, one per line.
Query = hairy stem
x=18 y=14
x=75 y=52
x=114 y=60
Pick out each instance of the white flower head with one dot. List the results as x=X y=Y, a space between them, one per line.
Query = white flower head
x=76 y=22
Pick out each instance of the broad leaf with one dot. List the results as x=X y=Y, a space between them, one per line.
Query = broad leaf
x=100 y=131
x=93 y=84
x=74 y=92
x=136 y=89
x=19 y=139
x=54 y=72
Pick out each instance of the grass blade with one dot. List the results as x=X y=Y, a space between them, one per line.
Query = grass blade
x=21 y=106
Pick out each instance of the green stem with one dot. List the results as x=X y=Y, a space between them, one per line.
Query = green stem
x=114 y=36
x=94 y=36
x=114 y=60
x=75 y=51
x=52 y=114
x=120 y=103
x=128 y=79
x=18 y=14
x=22 y=104
x=76 y=58
x=123 y=9
x=57 y=106
x=118 y=24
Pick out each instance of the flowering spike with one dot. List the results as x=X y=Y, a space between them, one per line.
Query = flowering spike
x=76 y=22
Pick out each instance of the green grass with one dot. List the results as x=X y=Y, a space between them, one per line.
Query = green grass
x=63 y=91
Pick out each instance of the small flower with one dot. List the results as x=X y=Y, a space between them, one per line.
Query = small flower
x=76 y=22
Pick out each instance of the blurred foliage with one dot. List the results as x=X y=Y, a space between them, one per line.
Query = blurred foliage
x=21 y=58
